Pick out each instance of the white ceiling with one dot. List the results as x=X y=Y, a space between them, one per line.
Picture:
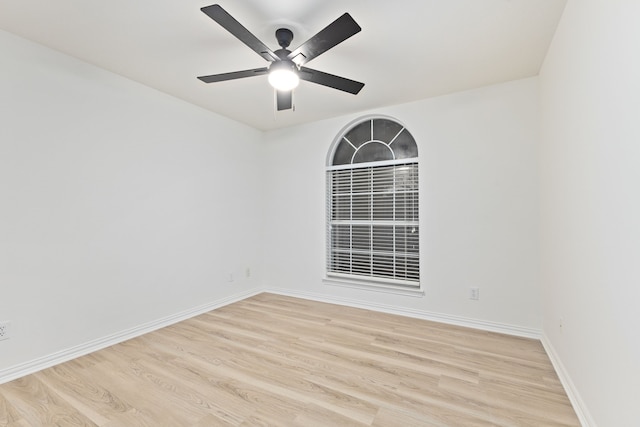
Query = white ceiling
x=407 y=49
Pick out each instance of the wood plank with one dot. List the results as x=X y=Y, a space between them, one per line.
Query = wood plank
x=275 y=360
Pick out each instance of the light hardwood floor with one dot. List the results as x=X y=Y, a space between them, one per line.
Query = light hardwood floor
x=278 y=361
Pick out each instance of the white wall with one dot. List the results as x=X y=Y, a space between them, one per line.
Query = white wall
x=479 y=206
x=590 y=204
x=118 y=205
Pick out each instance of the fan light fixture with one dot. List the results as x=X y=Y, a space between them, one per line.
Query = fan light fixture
x=283 y=76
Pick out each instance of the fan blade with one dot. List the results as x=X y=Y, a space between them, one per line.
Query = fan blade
x=334 y=33
x=228 y=22
x=234 y=75
x=284 y=99
x=330 y=80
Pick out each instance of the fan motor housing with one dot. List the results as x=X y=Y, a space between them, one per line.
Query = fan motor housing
x=285 y=64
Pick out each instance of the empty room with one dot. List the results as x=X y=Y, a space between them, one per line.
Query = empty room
x=319 y=213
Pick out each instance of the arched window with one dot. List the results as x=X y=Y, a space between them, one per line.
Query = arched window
x=372 y=205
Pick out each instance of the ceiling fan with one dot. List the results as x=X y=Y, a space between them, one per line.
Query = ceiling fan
x=286 y=68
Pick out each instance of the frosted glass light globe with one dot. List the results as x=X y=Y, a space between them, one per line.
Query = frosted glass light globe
x=283 y=77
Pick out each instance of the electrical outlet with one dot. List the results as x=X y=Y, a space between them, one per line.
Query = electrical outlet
x=5 y=330
x=230 y=277
x=247 y=272
x=474 y=293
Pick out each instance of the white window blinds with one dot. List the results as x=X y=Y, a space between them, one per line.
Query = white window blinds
x=373 y=223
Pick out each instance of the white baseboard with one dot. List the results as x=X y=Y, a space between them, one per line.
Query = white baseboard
x=418 y=314
x=572 y=392
x=44 y=362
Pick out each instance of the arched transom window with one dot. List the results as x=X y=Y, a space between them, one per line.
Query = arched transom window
x=372 y=205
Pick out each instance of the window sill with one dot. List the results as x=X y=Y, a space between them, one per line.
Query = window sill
x=373 y=286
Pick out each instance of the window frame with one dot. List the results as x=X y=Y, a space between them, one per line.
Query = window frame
x=372 y=282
